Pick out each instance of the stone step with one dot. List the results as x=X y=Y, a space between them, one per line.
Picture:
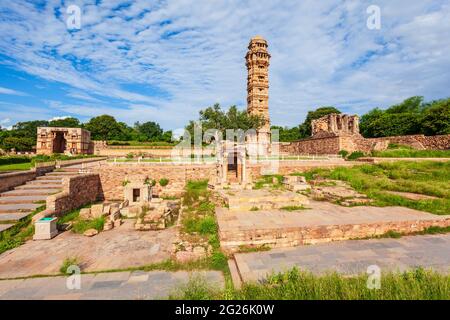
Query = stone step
x=62 y=173
x=21 y=207
x=22 y=199
x=44 y=182
x=29 y=192
x=13 y=216
x=39 y=186
x=4 y=227
x=49 y=178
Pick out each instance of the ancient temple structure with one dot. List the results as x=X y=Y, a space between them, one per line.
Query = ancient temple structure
x=63 y=140
x=257 y=62
x=334 y=124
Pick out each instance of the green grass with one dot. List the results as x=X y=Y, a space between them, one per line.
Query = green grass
x=22 y=231
x=67 y=263
x=293 y=208
x=418 y=284
x=80 y=226
x=199 y=220
x=16 y=166
x=268 y=180
x=248 y=248
x=424 y=177
x=163 y=182
x=402 y=152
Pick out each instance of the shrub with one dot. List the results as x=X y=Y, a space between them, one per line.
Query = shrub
x=163 y=182
x=355 y=155
x=14 y=160
x=67 y=263
x=130 y=155
x=219 y=261
x=343 y=153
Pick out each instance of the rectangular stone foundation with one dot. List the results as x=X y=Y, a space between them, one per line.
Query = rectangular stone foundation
x=234 y=231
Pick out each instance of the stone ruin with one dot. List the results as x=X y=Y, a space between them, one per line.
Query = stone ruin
x=295 y=183
x=151 y=213
x=111 y=212
x=335 y=124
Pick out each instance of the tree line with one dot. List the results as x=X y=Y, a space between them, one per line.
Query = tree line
x=412 y=116
x=22 y=136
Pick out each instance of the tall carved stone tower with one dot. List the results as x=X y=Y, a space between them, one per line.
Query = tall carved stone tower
x=257 y=62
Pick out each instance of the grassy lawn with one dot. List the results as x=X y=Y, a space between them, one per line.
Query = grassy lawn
x=411 y=153
x=16 y=166
x=297 y=285
x=425 y=177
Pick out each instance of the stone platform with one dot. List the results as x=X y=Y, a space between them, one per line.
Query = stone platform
x=121 y=247
x=323 y=222
x=244 y=200
x=351 y=257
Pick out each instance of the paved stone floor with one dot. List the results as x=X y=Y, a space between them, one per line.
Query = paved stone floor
x=351 y=257
x=118 y=248
x=319 y=213
x=110 y=286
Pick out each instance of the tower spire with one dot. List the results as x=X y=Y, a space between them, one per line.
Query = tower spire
x=257 y=62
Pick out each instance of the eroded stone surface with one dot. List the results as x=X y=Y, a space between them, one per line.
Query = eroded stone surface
x=351 y=257
x=323 y=222
x=120 y=247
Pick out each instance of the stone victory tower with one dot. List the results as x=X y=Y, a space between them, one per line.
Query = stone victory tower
x=257 y=62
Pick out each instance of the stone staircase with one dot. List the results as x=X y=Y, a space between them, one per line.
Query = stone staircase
x=18 y=203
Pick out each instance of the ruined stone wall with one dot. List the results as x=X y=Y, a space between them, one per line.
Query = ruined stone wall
x=77 y=191
x=112 y=176
x=11 y=180
x=14 y=179
x=327 y=145
x=333 y=145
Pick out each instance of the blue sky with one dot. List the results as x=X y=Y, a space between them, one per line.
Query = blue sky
x=165 y=60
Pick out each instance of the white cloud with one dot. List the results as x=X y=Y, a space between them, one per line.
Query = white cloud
x=12 y=92
x=59 y=118
x=181 y=56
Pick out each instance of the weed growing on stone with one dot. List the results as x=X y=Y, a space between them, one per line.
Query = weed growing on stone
x=74 y=261
x=417 y=284
x=424 y=177
x=293 y=208
x=22 y=231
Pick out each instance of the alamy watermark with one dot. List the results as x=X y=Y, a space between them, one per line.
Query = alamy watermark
x=374 y=278
x=374 y=19
x=73 y=21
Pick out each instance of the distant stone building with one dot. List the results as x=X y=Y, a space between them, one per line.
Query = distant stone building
x=257 y=62
x=335 y=124
x=336 y=132
x=63 y=140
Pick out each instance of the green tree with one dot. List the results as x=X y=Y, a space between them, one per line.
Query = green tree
x=216 y=118
x=400 y=119
x=68 y=122
x=305 y=127
x=287 y=134
x=18 y=143
x=410 y=105
x=27 y=129
x=105 y=127
x=150 y=130
x=436 y=118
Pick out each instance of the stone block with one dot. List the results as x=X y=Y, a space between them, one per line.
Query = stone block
x=108 y=225
x=90 y=232
x=45 y=229
x=97 y=211
x=106 y=209
x=85 y=213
